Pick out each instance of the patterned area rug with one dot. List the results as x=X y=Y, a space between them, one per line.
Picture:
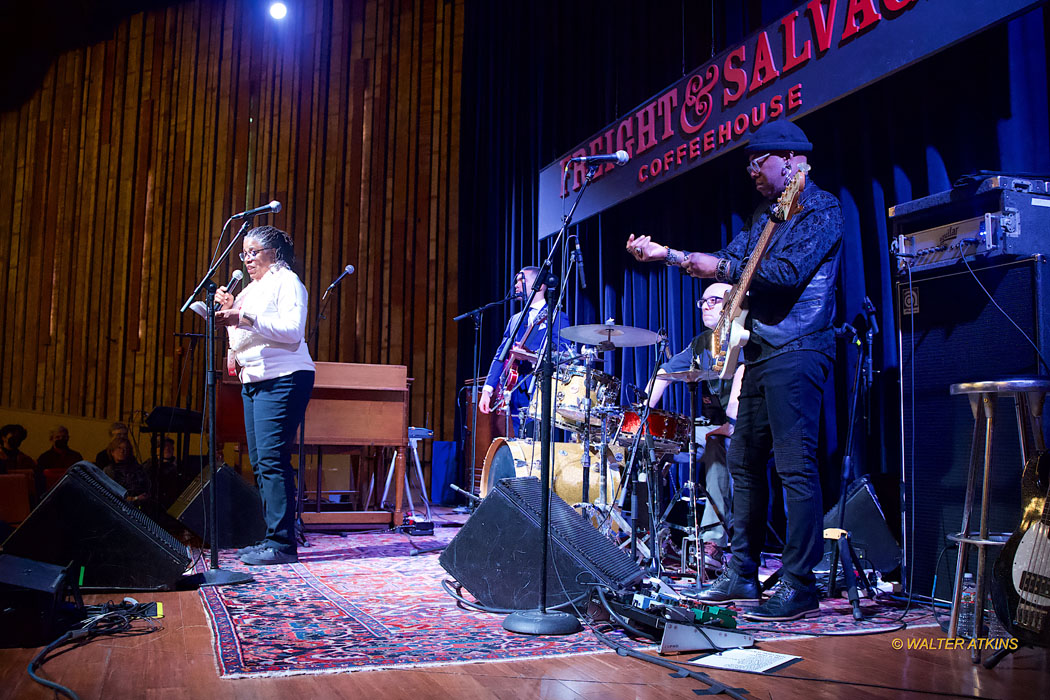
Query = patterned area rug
x=372 y=601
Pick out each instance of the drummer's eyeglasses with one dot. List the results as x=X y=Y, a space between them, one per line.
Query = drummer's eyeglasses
x=756 y=163
x=709 y=302
x=251 y=254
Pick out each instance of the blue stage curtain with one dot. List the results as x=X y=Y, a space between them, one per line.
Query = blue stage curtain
x=539 y=78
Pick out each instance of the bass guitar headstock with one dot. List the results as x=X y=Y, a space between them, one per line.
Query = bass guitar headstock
x=787 y=203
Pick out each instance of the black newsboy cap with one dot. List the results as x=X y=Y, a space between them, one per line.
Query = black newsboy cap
x=780 y=135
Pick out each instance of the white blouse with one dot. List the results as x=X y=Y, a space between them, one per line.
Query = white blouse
x=275 y=344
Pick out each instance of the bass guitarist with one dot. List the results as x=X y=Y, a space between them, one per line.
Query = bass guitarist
x=791 y=306
x=509 y=385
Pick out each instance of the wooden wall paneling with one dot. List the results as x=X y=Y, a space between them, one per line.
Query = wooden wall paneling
x=17 y=284
x=119 y=215
x=61 y=257
x=9 y=150
x=141 y=145
x=32 y=272
x=353 y=313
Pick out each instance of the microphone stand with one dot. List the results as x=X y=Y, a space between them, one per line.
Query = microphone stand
x=300 y=527
x=541 y=620
x=475 y=314
x=843 y=547
x=214 y=576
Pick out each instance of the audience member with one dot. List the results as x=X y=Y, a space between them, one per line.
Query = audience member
x=60 y=456
x=116 y=430
x=11 y=437
x=124 y=470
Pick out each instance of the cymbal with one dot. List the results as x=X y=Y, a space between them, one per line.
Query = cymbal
x=690 y=375
x=609 y=335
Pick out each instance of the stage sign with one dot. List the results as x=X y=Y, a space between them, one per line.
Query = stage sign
x=821 y=51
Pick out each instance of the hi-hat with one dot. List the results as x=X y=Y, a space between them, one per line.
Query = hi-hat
x=608 y=335
x=689 y=376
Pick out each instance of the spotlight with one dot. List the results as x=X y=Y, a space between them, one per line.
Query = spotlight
x=278 y=10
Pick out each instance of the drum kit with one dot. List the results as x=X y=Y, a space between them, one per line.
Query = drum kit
x=625 y=444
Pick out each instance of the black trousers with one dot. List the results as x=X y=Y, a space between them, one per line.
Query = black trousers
x=780 y=403
x=273 y=409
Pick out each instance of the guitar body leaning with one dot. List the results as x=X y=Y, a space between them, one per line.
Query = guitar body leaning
x=731 y=340
x=1021 y=590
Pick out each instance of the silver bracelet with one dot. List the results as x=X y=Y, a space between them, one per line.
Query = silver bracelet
x=722 y=270
x=674 y=260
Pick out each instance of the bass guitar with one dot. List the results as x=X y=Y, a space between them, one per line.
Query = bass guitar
x=1021 y=576
x=730 y=334
x=519 y=363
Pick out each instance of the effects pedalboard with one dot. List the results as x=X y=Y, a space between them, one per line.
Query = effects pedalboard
x=682 y=623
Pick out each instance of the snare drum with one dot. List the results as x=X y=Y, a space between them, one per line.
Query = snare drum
x=509 y=458
x=670 y=431
x=570 y=395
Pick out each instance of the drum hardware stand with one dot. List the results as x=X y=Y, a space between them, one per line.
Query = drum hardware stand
x=541 y=620
x=843 y=546
x=695 y=484
x=475 y=315
x=214 y=576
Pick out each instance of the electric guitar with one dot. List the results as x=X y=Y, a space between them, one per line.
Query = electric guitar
x=730 y=333
x=1021 y=590
x=514 y=367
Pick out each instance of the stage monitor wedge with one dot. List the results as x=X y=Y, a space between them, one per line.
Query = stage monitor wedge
x=496 y=555
x=84 y=520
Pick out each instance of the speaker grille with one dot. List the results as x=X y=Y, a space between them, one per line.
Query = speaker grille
x=573 y=532
x=496 y=554
x=85 y=520
x=960 y=336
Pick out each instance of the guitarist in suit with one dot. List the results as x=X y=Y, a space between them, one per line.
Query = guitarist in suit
x=512 y=382
x=791 y=308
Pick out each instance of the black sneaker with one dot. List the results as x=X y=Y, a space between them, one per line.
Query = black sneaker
x=269 y=556
x=250 y=549
x=731 y=587
x=786 y=603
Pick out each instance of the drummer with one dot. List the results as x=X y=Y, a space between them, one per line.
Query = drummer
x=719 y=406
x=531 y=336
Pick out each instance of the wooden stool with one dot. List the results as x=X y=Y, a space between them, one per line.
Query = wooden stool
x=1028 y=395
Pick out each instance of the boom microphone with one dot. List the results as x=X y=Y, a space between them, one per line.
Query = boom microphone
x=271 y=208
x=619 y=158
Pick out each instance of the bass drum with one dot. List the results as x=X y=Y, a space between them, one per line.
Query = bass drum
x=509 y=458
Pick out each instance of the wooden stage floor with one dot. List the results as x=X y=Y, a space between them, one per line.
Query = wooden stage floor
x=178 y=662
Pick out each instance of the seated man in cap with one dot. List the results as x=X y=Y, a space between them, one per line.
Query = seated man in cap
x=789 y=355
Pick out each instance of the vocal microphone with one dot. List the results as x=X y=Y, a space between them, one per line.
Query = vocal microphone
x=348 y=270
x=201 y=310
x=271 y=208
x=579 y=262
x=619 y=158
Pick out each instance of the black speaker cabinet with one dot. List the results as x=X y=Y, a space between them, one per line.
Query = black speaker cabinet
x=38 y=602
x=240 y=509
x=496 y=555
x=950 y=332
x=869 y=533
x=84 y=520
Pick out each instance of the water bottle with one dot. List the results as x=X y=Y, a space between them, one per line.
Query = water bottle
x=967 y=607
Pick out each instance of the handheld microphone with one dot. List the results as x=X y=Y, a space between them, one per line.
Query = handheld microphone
x=201 y=310
x=271 y=208
x=235 y=279
x=348 y=270
x=619 y=158
x=579 y=263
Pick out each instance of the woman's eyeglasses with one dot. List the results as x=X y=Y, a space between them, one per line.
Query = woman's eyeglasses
x=251 y=254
